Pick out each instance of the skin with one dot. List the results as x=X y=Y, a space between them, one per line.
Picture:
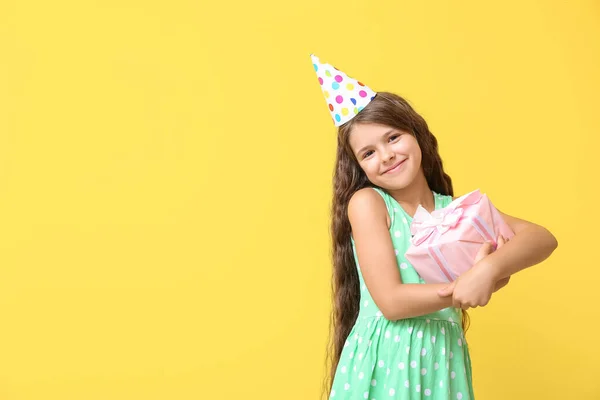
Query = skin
x=379 y=148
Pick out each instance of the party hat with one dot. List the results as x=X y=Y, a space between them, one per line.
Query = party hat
x=344 y=95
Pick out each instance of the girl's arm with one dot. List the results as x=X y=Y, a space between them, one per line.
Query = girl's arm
x=369 y=220
x=531 y=245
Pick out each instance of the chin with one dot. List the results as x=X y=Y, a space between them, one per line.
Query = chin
x=396 y=184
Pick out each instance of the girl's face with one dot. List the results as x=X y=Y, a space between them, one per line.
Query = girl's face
x=391 y=158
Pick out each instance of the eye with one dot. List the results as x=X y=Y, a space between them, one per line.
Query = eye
x=394 y=137
x=367 y=154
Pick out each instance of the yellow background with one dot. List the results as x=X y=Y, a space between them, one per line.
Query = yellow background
x=165 y=181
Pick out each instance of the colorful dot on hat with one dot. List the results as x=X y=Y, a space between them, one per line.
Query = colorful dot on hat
x=320 y=81
x=335 y=85
x=361 y=84
x=338 y=78
x=360 y=109
x=353 y=101
x=327 y=73
x=331 y=107
x=339 y=99
x=372 y=97
x=338 y=118
x=362 y=93
x=316 y=68
x=326 y=94
x=344 y=111
x=355 y=110
x=350 y=86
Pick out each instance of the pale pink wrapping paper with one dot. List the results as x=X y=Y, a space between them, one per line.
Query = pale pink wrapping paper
x=445 y=242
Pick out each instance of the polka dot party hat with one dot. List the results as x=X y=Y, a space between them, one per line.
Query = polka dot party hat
x=344 y=95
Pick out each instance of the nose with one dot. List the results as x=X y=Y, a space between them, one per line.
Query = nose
x=388 y=154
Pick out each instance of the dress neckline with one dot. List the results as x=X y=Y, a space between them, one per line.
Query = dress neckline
x=436 y=201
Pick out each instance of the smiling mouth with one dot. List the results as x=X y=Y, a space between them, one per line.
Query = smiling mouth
x=395 y=167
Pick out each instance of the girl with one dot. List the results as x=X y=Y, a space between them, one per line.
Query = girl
x=395 y=337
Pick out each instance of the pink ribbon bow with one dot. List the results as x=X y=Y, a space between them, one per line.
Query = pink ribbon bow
x=424 y=223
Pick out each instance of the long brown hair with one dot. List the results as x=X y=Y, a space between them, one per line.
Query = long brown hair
x=393 y=111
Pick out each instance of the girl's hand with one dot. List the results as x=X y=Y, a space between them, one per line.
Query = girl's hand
x=474 y=288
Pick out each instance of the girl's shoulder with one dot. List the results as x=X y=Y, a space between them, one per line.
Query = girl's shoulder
x=369 y=204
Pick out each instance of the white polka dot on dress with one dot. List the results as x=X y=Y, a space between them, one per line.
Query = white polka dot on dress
x=361 y=375
x=373 y=383
x=387 y=334
x=460 y=342
x=413 y=364
x=433 y=339
x=407 y=383
x=459 y=395
x=418 y=388
x=392 y=392
x=397 y=338
x=347 y=386
x=351 y=354
x=423 y=352
x=403 y=265
x=332 y=393
x=344 y=369
x=420 y=334
x=436 y=366
x=427 y=392
x=366 y=395
x=453 y=375
x=423 y=371
x=397 y=234
x=380 y=363
x=401 y=365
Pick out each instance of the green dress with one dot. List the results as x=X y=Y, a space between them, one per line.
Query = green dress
x=425 y=357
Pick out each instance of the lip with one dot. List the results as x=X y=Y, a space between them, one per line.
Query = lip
x=395 y=167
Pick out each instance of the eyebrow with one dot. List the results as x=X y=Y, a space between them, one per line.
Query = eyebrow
x=384 y=135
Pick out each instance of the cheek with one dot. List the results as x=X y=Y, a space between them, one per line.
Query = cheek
x=414 y=150
x=370 y=167
x=417 y=154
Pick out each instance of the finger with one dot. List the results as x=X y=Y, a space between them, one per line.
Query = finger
x=484 y=250
x=448 y=290
x=457 y=303
x=501 y=241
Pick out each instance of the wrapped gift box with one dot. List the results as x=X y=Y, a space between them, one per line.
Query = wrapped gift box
x=445 y=242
